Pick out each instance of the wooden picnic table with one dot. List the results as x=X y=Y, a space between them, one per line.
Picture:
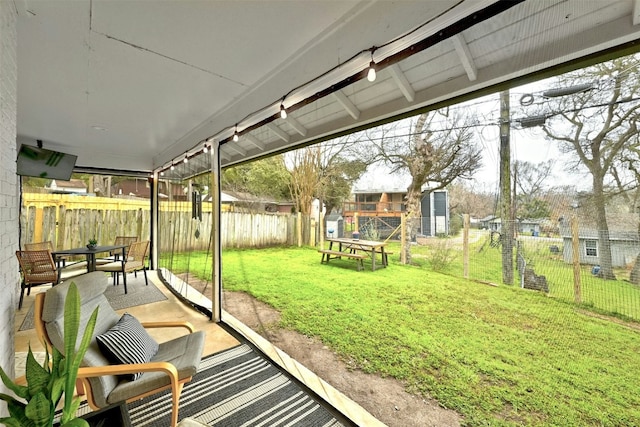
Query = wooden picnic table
x=356 y=249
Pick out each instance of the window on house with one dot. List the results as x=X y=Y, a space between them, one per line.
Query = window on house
x=591 y=247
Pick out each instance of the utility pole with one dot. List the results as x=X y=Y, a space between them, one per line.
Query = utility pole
x=505 y=189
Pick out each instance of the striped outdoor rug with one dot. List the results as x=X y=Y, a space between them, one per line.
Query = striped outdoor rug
x=234 y=388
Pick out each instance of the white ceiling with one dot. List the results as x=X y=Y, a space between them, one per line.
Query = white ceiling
x=133 y=85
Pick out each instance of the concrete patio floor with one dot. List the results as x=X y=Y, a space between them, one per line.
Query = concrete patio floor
x=218 y=339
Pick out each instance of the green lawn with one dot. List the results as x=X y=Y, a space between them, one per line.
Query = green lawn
x=497 y=355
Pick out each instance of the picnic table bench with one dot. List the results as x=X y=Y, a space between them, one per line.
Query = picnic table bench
x=356 y=249
x=327 y=255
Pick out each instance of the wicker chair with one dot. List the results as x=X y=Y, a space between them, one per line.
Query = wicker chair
x=115 y=255
x=61 y=261
x=37 y=268
x=136 y=261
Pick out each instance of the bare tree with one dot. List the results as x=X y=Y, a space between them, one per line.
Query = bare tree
x=596 y=126
x=468 y=199
x=305 y=174
x=326 y=171
x=438 y=149
x=626 y=175
x=530 y=179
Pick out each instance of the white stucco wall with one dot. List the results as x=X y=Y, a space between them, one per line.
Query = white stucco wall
x=8 y=188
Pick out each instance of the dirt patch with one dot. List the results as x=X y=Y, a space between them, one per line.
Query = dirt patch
x=384 y=398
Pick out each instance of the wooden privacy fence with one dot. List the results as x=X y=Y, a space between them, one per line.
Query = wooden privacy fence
x=70 y=221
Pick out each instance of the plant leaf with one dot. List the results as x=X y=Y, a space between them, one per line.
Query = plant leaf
x=37 y=376
x=56 y=362
x=76 y=422
x=10 y=422
x=71 y=321
x=39 y=410
x=19 y=390
x=57 y=389
x=73 y=358
x=17 y=412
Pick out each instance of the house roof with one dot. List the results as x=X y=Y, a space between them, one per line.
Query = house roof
x=138 y=85
x=622 y=226
x=73 y=183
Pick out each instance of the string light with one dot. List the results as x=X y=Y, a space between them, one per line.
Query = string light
x=205 y=149
x=186 y=159
x=173 y=167
x=371 y=75
x=283 y=112
x=235 y=134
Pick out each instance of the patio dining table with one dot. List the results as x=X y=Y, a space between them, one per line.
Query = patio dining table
x=90 y=254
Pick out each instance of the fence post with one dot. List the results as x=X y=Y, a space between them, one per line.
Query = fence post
x=61 y=231
x=321 y=240
x=575 y=246
x=355 y=222
x=465 y=246
x=299 y=228
x=37 y=226
x=403 y=237
x=312 y=232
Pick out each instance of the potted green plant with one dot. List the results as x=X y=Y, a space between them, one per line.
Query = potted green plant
x=92 y=243
x=37 y=401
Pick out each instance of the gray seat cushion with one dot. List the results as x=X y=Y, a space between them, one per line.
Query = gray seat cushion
x=183 y=352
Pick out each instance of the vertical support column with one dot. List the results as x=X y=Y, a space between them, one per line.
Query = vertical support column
x=155 y=216
x=216 y=250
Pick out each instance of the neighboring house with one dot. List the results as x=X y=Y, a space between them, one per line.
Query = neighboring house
x=74 y=186
x=529 y=226
x=384 y=207
x=238 y=201
x=140 y=188
x=623 y=238
x=523 y=226
x=485 y=223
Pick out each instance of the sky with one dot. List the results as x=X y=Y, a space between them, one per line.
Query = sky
x=526 y=145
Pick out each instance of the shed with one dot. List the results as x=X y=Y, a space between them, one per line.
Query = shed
x=335 y=225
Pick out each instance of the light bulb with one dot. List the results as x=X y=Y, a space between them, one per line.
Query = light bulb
x=235 y=137
x=205 y=149
x=283 y=112
x=186 y=160
x=371 y=75
x=162 y=173
x=173 y=167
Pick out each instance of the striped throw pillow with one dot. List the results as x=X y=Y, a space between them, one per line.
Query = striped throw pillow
x=128 y=342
